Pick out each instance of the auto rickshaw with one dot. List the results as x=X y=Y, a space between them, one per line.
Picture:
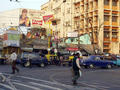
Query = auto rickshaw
x=53 y=59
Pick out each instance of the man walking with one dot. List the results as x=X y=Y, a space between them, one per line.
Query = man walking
x=76 y=67
x=13 y=58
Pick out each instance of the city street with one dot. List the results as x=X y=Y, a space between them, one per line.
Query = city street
x=59 y=78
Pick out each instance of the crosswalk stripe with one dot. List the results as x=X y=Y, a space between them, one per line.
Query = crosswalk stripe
x=6 y=86
x=45 y=81
x=28 y=86
x=50 y=87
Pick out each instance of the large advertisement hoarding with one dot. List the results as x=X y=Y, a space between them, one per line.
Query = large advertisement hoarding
x=30 y=18
x=11 y=38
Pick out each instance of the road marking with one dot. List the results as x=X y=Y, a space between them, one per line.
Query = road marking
x=28 y=86
x=6 y=86
x=45 y=81
x=94 y=85
x=50 y=87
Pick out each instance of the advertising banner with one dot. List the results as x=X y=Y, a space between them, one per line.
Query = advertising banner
x=30 y=18
x=47 y=18
x=11 y=43
x=11 y=38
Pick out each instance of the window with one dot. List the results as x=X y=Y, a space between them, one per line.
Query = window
x=114 y=19
x=114 y=2
x=106 y=18
x=106 y=29
x=106 y=46
x=106 y=2
x=106 y=13
x=114 y=30
x=106 y=35
x=114 y=35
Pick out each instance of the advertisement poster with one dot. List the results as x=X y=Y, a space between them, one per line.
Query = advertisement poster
x=30 y=18
x=11 y=38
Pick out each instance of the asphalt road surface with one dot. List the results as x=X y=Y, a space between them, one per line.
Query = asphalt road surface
x=59 y=78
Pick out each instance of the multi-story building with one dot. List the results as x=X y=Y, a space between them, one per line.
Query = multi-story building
x=61 y=11
x=101 y=19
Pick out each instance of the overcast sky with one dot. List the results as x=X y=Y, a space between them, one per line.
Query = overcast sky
x=31 y=4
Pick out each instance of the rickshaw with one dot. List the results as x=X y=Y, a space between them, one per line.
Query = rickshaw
x=53 y=59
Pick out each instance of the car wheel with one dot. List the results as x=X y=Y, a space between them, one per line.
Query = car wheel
x=91 y=66
x=42 y=65
x=109 y=66
x=86 y=67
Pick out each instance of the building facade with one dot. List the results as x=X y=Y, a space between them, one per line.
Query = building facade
x=62 y=16
x=101 y=19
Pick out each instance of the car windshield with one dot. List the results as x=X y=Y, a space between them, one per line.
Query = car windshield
x=97 y=58
x=30 y=55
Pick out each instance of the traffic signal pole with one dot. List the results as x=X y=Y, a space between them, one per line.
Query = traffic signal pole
x=49 y=39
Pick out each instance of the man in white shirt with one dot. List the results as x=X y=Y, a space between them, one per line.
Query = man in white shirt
x=13 y=58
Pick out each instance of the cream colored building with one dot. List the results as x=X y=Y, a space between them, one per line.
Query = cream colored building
x=102 y=17
x=62 y=15
x=98 y=18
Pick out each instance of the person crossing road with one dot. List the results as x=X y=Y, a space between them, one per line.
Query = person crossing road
x=13 y=58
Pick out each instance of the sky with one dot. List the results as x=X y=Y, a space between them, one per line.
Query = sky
x=30 y=4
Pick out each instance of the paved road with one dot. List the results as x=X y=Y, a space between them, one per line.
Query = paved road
x=59 y=78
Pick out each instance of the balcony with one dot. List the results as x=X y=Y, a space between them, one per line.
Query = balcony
x=96 y=12
x=107 y=23
x=115 y=8
x=107 y=12
x=115 y=13
x=107 y=48
x=114 y=39
x=82 y=2
x=76 y=1
x=106 y=7
x=106 y=39
x=115 y=23
x=76 y=14
x=95 y=23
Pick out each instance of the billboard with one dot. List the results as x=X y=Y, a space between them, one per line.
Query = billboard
x=30 y=18
x=72 y=34
x=11 y=38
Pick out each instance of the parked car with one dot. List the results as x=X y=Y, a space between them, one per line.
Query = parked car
x=117 y=61
x=35 y=59
x=96 y=61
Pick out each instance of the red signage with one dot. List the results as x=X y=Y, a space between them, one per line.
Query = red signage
x=5 y=37
x=72 y=49
x=47 y=18
x=37 y=22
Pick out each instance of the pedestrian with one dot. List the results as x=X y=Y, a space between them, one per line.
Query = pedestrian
x=28 y=63
x=76 y=68
x=13 y=58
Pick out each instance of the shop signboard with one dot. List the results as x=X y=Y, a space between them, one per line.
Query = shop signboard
x=72 y=34
x=11 y=38
x=30 y=18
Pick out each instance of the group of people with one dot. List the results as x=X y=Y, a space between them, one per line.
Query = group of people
x=76 y=69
